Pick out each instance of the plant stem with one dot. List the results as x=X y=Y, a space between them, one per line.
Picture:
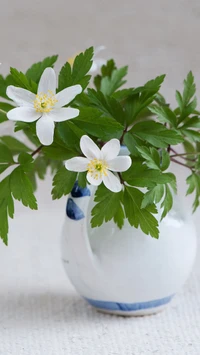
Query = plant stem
x=182 y=154
x=178 y=162
x=37 y=150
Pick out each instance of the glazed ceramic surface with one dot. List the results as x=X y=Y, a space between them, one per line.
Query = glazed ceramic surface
x=125 y=271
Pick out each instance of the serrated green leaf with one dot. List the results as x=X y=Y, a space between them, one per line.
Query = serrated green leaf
x=119 y=217
x=70 y=134
x=63 y=183
x=4 y=107
x=3 y=167
x=22 y=81
x=110 y=84
x=156 y=134
x=167 y=202
x=164 y=114
x=151 y=156
x=14 y=144
x=77 y=75
x=35 y=71
x=107 y=206
x=91 y=121
x=138 y=216
x=191 y=122
x=153 y=196
x=5 y=154
x=194 y=136
x=165 y=160
x=26 y=161
x=57 y=152
x=22 y=189
x=194 y=186
x=132 y=143
x=108 y=68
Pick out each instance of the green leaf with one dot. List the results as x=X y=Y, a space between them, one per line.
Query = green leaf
x=156 y=134
x=77 y=75
x=191 y=122
x=106 y=208
x=108 y=68
x=35 y=71
x=151 y=156
x=139 y=175
x=70 y=134
x=165 y=160
x=110 y=84
x=153 y=196
x=164 y=114
x=119 y=217
x=194 y=136
x=22 y=189
x=138 y=216
x=4 y=107
x=3 y=167
x=167 y=202
x=58 y=152
x=132 y=143
x=82 y=181
x=14 y=144
x=194 y=186
x=186 y=102
x=189 y=88
x=22 y=81
x=107 y=105
x=63 y=183
x=5 y=208
x=4 y=82
x=104 y=128
x=26 y=161
x=5 y=154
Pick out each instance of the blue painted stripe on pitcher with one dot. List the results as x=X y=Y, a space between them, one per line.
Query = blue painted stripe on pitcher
x=115 y=306
x=78 y=191
x=73 y=211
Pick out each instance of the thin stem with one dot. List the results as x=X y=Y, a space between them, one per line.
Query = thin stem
x=178 y=162
x=37 y=150
x=182 y=154
x=121 y=180
x=122 y=137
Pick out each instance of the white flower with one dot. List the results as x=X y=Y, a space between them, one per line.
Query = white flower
x=99 y=163
x=46 y=107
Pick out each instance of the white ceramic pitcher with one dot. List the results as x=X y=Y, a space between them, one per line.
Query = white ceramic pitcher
x=125 y=271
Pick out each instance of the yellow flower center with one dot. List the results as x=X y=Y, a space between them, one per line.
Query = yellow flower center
x=97 y=167
x=45 y=102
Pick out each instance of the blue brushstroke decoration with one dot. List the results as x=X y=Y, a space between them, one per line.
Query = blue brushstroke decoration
x=78 y=191
x=73 y=211
x=127 y=307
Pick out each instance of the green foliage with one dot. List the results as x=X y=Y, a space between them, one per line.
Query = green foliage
x=156 y=134
x=187 y=102
x=23 y=81
x=194 y=186
x=14 y=144
x=35 y=71
x=63 y=183
x=164 y=115
x=92 y=122
x=108 y=206
x=77 y=74
x=4 y=107
x=138 y=216
x=109 y=84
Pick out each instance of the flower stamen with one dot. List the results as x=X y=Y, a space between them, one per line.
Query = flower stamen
x=97 y=167
x=45 y=102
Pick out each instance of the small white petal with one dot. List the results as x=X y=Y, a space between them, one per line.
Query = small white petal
x=22 y=97
x=112 y=182
x=65 y=96
x=98 y=49
x=63 y=114
x=45 y=129
x=120 y=163
x=89 y=148
x=93 y=181
x=24 y=114
x=110 y=150
x=96 y=65
x=78 y=164
x=47 y=81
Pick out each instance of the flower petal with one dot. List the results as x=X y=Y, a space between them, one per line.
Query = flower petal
x=98 y=49
x=110 y=150
x=89 y=148
x=78 y=164
x=45 y=129
x=120 y=163
x=24 y=114
x=93 y=181
x=96 y=65
x=47 y=81
x=22 y=97
x=112 y=182
x=63 y=114
x=65 y=96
